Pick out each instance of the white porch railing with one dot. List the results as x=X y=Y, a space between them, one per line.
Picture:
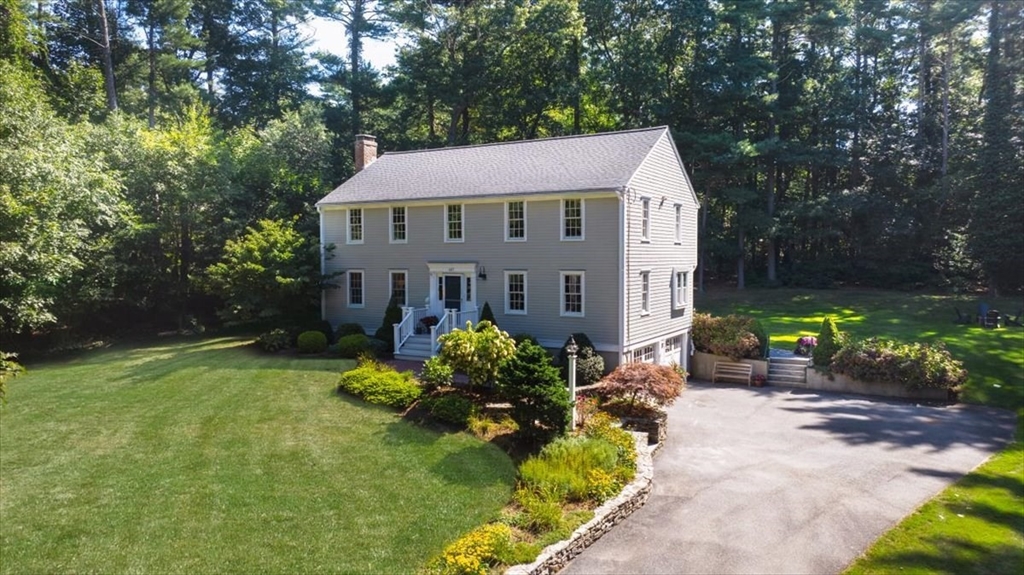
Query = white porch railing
x=404 y=329
x=436 y=331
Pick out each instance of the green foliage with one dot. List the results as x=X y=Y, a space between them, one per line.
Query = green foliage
x=582 y=341
x=589 y=363
x=475 y=552
x=830 y=341
x=477 y=351
x=312 y=342
x=450 y=408
x=602 y=426
x=9 y=369
x=572 y=469
x=271 y=272
x=540 y=514
x=386 y=331
x=539 y=398
x=734 y=336
x=914 y=365
x=437 y=373
x=274 y=340
x=352 y=346
x=487 y=315
x=349 y=329
x=521 y=337
x=380 y=384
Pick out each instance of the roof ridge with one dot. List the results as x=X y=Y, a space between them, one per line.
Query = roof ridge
x=535 y=140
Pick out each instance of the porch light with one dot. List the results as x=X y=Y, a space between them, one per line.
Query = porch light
x=483 y=273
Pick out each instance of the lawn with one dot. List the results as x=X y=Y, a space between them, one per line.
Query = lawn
x=976 y=525
x=204 y=456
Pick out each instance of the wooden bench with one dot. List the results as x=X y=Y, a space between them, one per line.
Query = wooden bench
x=736 y=372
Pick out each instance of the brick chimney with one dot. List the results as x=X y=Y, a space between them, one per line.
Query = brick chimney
x=366 y=151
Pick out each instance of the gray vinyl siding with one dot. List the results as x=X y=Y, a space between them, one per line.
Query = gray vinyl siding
x=659 y=178
x=543 y=255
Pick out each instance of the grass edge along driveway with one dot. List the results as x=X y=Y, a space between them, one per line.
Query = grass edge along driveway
x=206 y=456
x=977 y=524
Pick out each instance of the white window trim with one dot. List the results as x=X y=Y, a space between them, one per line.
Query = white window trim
x=645 y=275
x=583 y=221
x=462 y=223
x=507 y=237
x=348 y=226
x=526 y=293
x=348 y=288
x=391 y=286
x=645 y=220
x=391 y=225
x=680 y=297
x=679 y=224
x=561 y=293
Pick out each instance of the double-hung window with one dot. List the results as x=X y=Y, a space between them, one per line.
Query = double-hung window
x=515 y=221
x=645 y=219
x=397 y=281
x=572 y=219
x=515 y=292
x=355 y=226
x=680 y=279
x=645 y=292
x=355 y=289
x=572 y=293
x=398 y=225
x=453 y=231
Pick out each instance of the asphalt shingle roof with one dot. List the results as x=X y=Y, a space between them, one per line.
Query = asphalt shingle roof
x=574 y=163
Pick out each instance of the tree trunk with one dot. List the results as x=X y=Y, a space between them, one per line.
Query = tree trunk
x=108 y=60
x=357 y=23
x=151 y=83
x=741 y=276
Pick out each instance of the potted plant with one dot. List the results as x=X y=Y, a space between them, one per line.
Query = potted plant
x=426 y=323
x=805 y=345
x=758 y=380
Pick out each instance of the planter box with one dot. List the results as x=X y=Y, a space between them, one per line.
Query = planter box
x=703 y=365
x=844 y=384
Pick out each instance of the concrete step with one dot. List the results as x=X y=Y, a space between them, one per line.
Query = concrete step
x=786 y=379
x=783 y=373
x=803 y=361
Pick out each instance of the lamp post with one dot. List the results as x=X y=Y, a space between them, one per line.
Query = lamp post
x=571 y=348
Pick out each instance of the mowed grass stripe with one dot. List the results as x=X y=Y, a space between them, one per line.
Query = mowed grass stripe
x=205 y=456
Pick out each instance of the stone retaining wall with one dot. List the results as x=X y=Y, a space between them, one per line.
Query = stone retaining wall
x=840 y=383
x=556 y=556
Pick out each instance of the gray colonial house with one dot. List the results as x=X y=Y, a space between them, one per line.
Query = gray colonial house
x=593 y=233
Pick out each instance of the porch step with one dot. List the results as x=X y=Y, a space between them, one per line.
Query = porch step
x=790 y=371
x=416 y=347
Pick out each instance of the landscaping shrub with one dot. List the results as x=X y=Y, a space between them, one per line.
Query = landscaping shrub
x=312 y=342
x=603 y=426
x=475 y=552
x=915 y=365
x=734 y=336
x=437 y=373
x=274 y=340
x=582 y=341
x=381 y=384
x=487 y=315
x=539 y=513
x=477 y=351
x=486 y=426
x=450 y=408
x=351 y=346
x=540 y=401
x=829 y=342
x=521 y=337
x=563 y=470
x=9 y=369
x=589 y=363
x=349 y=329
x=386 y=331
x=644 y=384
x=324 y=327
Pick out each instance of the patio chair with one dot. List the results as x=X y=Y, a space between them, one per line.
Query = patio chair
x=1007 y=320
x=982 y=312
x=992 y=319
x=962 y=319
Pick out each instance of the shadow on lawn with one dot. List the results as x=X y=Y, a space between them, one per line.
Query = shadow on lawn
x=945 y=555
x=900 y=424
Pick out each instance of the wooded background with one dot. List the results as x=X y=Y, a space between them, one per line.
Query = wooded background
x=832 y=142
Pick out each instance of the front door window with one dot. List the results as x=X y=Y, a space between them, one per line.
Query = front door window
x=453 y=292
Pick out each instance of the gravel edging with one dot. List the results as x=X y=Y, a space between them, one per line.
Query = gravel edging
x=632 y=497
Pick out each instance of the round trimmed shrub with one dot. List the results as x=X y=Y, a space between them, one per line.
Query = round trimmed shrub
x=450 y=408
x=350 y=346
x=349 y=329
x=312 y=342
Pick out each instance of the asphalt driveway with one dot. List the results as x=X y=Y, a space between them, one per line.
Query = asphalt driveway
x=778 y=480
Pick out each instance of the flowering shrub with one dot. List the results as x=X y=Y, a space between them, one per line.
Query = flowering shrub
x=644 y=383
x=915 y=365
x=478 y=352
x=273 y=340
x=474 y=552
x=805 y=345
x=734 y=336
